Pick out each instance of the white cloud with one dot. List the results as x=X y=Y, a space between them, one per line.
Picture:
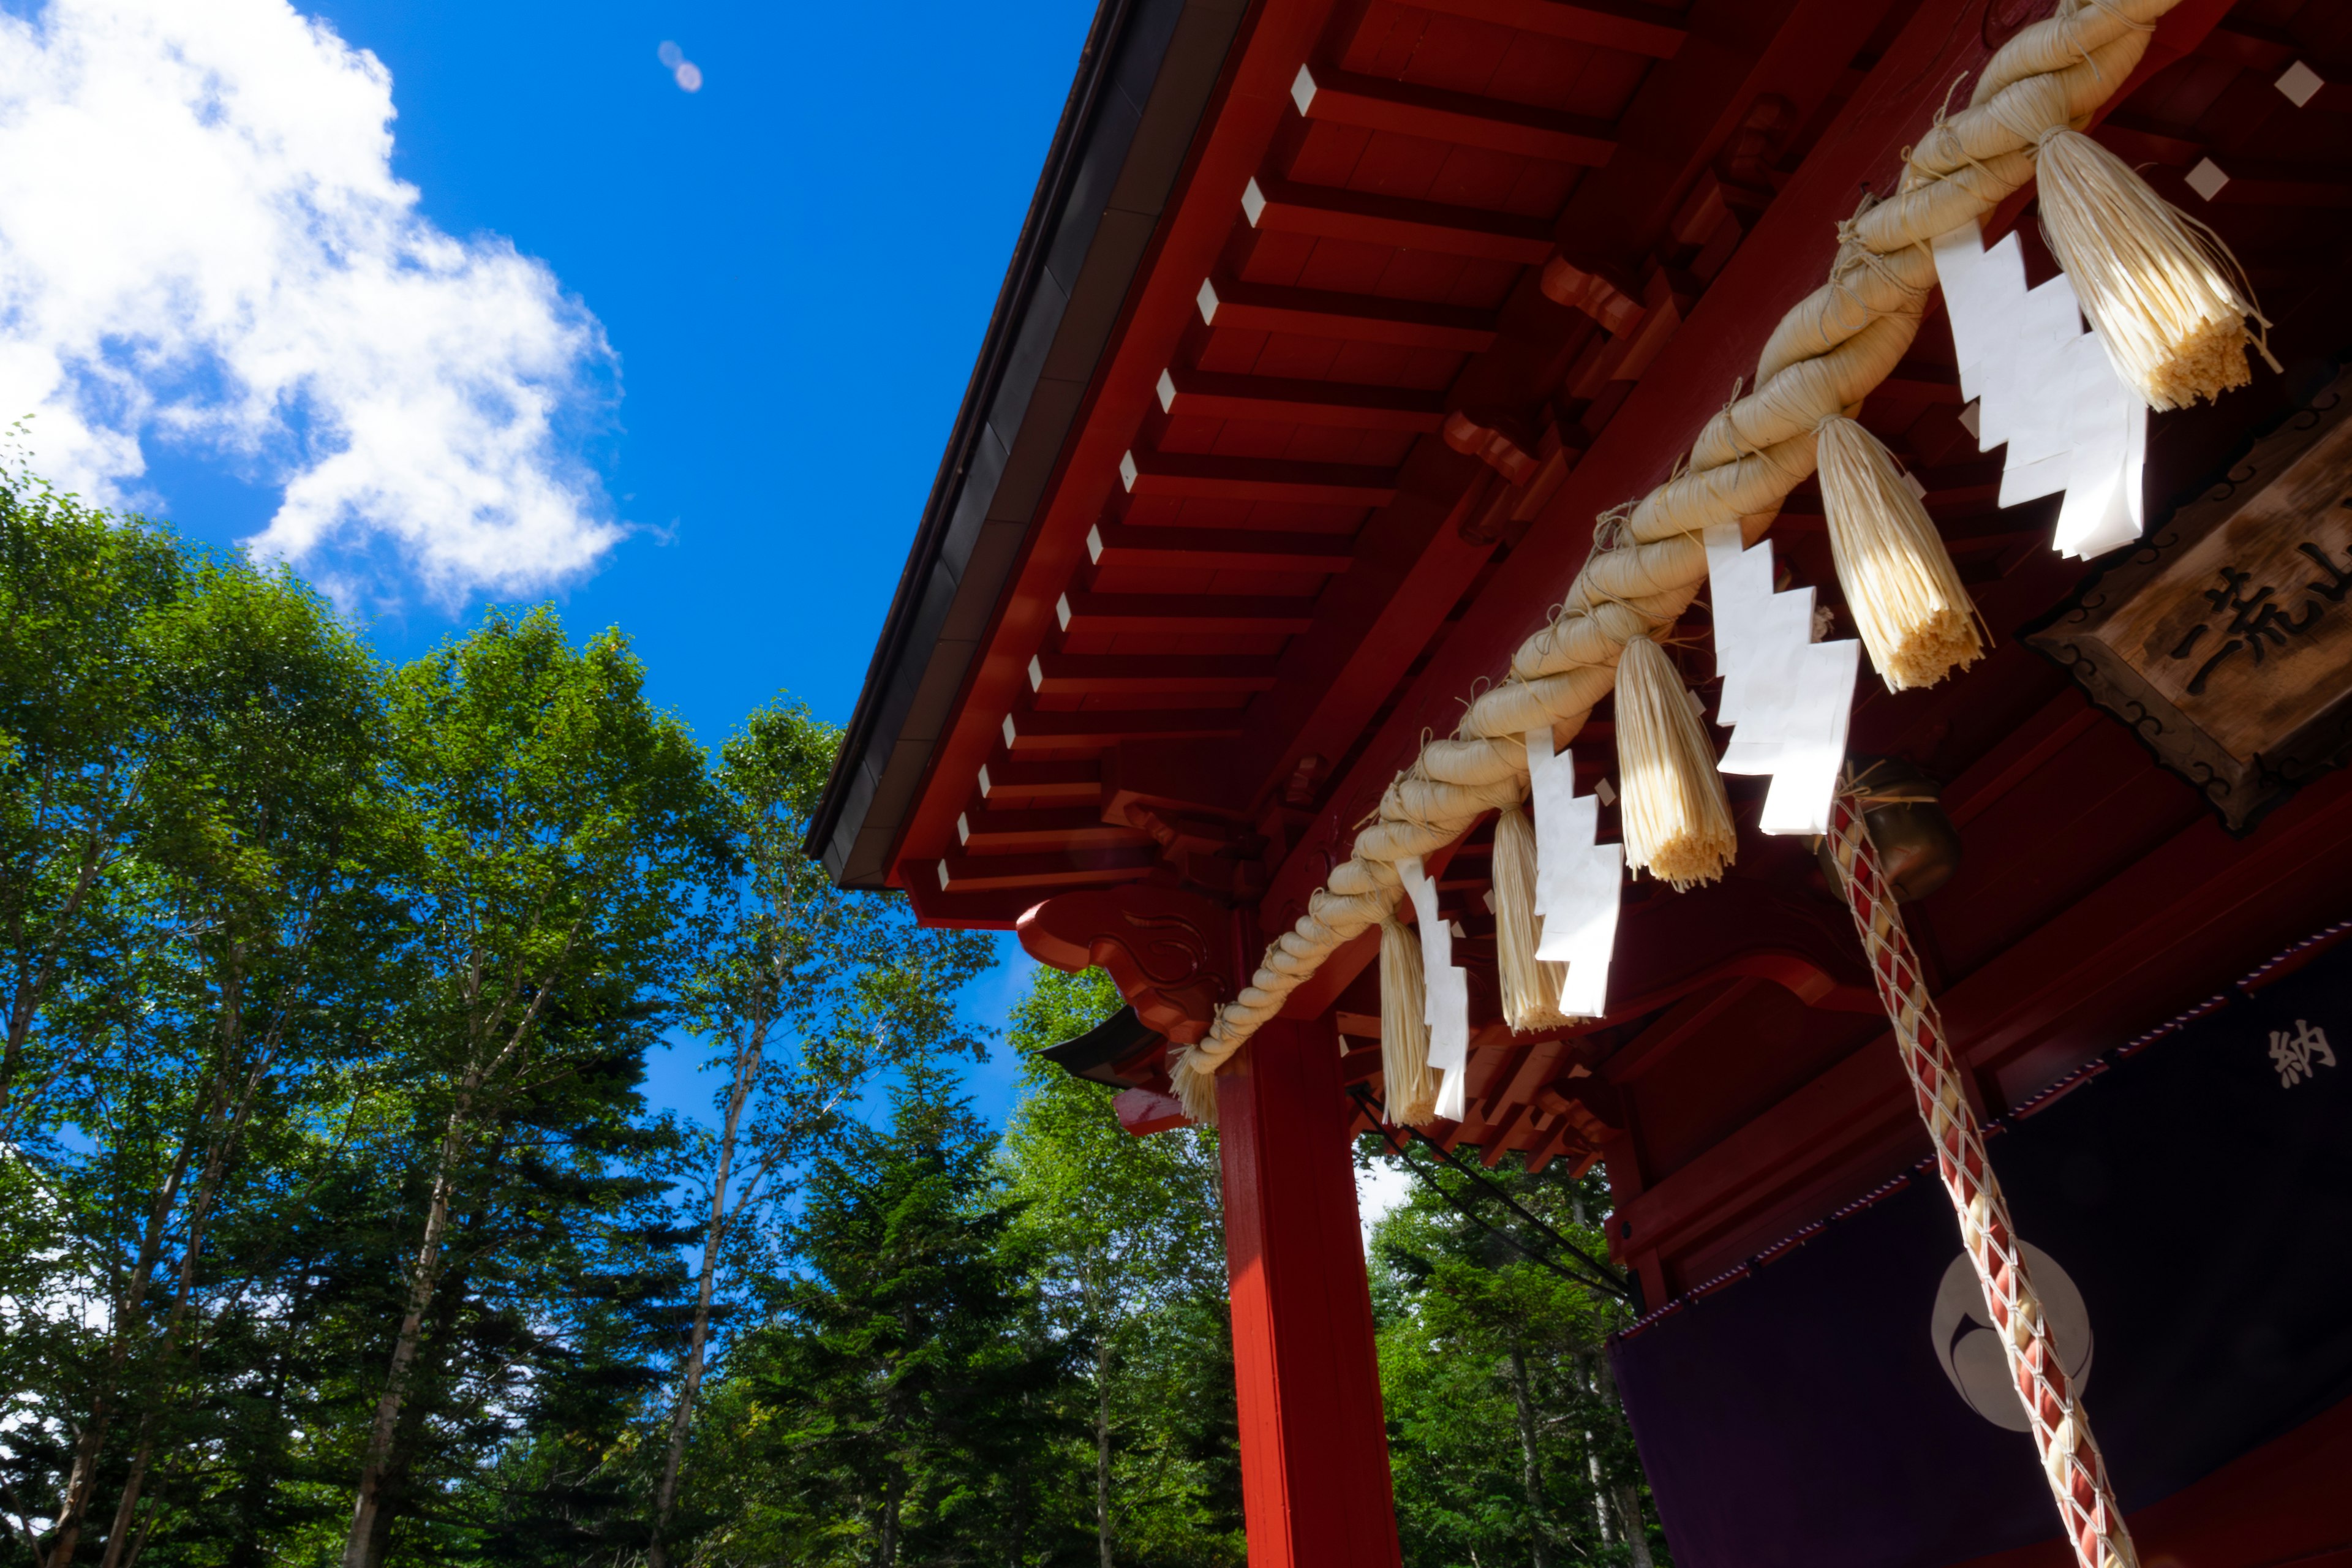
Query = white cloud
x=202 y=244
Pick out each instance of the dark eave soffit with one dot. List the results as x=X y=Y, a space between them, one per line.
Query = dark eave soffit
x=1146 y=78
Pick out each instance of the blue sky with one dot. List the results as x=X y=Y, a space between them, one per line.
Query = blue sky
x=751 y=309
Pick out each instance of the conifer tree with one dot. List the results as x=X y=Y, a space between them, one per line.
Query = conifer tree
x=910 y=1407
x=559 y=827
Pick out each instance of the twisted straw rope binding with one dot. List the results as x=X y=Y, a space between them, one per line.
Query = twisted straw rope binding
x=1824 y=357
x=2071 y=1460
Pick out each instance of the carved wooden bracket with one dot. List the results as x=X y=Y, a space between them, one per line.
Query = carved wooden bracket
x=1502 y=441
x=1143 y=1112
x=1167 y=951
x=1590 y=290
x=1590 y=1106
x=1747 y=156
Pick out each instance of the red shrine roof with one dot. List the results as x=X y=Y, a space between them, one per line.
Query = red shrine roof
x=1331 y=330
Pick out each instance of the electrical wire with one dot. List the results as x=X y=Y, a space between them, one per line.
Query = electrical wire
x=1602 y=1277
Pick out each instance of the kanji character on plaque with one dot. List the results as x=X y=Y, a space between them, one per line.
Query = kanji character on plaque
x=2302 y=1054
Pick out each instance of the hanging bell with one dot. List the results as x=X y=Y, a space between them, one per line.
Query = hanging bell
x=1903 y=809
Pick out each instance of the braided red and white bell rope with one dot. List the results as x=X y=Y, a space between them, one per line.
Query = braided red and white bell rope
x=2062 y=1429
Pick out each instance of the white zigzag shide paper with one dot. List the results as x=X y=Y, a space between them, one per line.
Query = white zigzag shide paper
x=1446 y=991
x=1787 y=696
x=2046 y=387
x=1578 y=880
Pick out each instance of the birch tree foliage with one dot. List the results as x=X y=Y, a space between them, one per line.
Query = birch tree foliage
x=801 y=992
x=800 y=995
x=250 y=988
x=556 y=833
x=78 y=716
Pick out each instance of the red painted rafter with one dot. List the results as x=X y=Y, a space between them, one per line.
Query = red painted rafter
x=1064 y=731
x=1189 y=237
x=1148 y=473
x=980 y=873
x=1277 y=205
x=1147 y=674
x=2267 y=183
x=1689 y=109
x=1412 y=566
x=1217 y=549
x=1373 y=103
x=1189 y=613
x=1227 y=304
x=1199 y=393
x=1783 y=260
x=1627 y=25
x=1025 y=778
x=984 y=829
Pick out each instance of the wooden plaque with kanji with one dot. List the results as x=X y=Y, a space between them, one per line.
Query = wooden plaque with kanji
x=2225 y=638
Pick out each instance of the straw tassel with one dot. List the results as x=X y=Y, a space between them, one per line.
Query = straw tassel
x=2164 y=293
x=1676 y=822
x=1530 y=987
x=1196 y=1092
x=1404 y=1034
x=1914 y=617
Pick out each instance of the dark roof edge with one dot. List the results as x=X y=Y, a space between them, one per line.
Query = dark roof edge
x=1055 y=184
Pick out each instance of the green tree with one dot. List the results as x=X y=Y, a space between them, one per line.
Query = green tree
x=1505 y=1435
x=904 y=1401
x=79 y=715
x=802 y=993
x=558 y=828
x=1128 y=1241
x=251 y=893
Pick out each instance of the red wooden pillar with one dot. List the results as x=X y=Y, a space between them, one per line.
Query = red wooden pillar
x=1315 y=1457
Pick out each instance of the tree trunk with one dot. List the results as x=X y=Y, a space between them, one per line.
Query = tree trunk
x=34 y=978
x=359 y=1550
x=1102 y=1449
x=81 y=1478
x=1628 y=1496
x=1530 y=1464
x=208 y=1184
x=747 y=1066
x=1599 y=1489
x=1628 y=1513
x=127 y=1510
x=146 y=1528
x=887 y=1556
x=395 y=1486
x=248 y=1503
x=363 y=1547
x=1016 y=1522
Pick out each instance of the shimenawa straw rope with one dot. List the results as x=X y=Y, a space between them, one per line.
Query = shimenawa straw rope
x=1827 y=353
